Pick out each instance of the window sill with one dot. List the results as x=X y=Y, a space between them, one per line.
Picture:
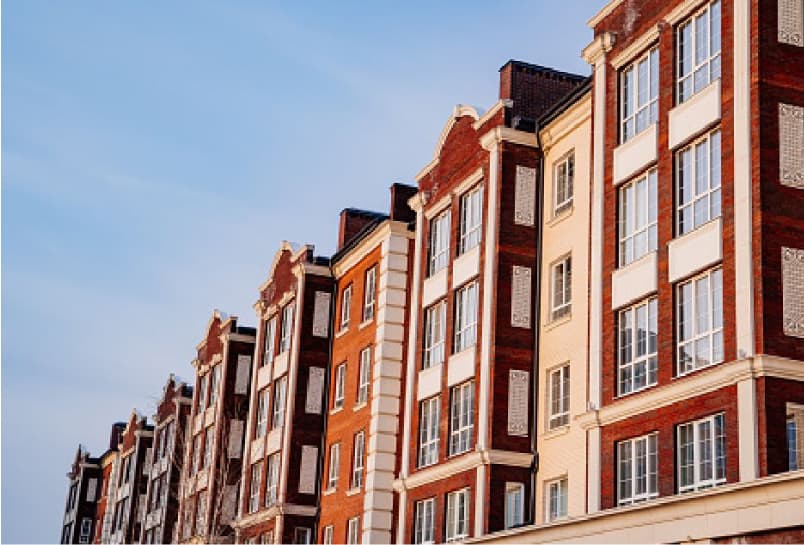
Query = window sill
x=328 y=492
x=354 y=491
x=335 y=410
x=341 y=332
x=558 y=431
x=359 y=406
x=561 y=216
x=457 y=454
x=552 y=324
x=635 y=392
x=365 y=323
x=696 y=370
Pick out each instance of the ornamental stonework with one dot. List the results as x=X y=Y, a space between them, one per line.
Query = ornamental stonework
x=791 y=145
x=793 y=292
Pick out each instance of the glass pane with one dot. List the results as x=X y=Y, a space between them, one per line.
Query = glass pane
x=702 y=305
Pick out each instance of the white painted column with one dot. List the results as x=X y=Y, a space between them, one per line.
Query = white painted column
x=747 y=432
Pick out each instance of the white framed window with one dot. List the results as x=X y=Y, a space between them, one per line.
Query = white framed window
x=358 y=459
x=466 y=317
x=263 y=398
x=639 y=95
x=557 y=499
x=429 y=420
x=700 y=321
x=370 y=294
x=209 y=439
x=214 y=385
x=637 y=221
x=202 y=393
x=268 y=537
x=254 y=488
x=563 y=185
x=302 y=536
x=270 y=341
x=272 y=480
x=287 y=328
x=85 y=531
x=698 y=178
x=457 y=515
x=353 y=531
x=471 y=220
x=462 y=417
x=334 y=466
x=561 y=288
x=329 y=533
x=439 y=243
x=559 y=380
x=197 y=453
x=424 y=522
x=698 y=51
x=701 y=453
x=795 y=436
x=637 y=469
x=365 y=376
x=280 y=394
x=340 y=386
x=514 y=504
x=201 y=513
x=435 y=328
x=346 y=306
x=637 y=347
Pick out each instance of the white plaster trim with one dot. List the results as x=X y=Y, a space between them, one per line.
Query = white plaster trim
x=692 y=117
x=635 y=280
x=636 y=155
x=428 y=382
x=635 y=48
x=695 y=251
x=465 y=267
x=467 y=183
x=499 y=105
x=461 y=464
x=683 y=10
x=438 y=207
x=507 y=134
x=564 y=125
x=747 y=429
x=459 y=111
x=359 y=252
x=435 y=287
x=604 y=12
x=461 y=366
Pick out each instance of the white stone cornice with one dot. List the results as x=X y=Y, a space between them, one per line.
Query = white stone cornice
x=507 y=134
x=499 y=105
x=463 y=463
x=365 y=246
x=596 y=50
x=627 y=54
x=603 y=13
x=568 y=121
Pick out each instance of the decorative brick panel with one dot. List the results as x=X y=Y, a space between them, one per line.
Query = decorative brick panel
x=791 y=22
x=308 y=471
x=793 y=292
x=321 y=314
x=315 y=390
x=520 y=297
x=525 y=196
x=791 y=145
x=518 y=388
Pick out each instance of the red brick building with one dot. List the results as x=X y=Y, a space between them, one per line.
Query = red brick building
x=82 y=498
x=213 y=453
x=371 y=269
x=280 y=475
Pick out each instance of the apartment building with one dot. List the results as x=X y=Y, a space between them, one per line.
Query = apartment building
x=280 y=474
x=371 y=272
x=82 y=497
x=167 y=456
x=106 y=494
x=468 y=436
x=213 y=452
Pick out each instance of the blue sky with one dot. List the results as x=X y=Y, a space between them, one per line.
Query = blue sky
x=154 y=154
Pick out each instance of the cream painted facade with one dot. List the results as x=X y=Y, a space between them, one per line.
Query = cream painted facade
x=562 y=449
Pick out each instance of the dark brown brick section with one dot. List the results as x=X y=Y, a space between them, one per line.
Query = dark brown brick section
x=534 y=89
x=773 y=394
x=793 y=534
x=499 y=476
x=439 y=491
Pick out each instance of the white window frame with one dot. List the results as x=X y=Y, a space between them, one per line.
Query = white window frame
x=637 y=469
x=286 y=327
x=561 y=302
x=704 y=61
x=370 y=294
x=462 y=418
x=85 y=530
x=339 y=393
x=358 y=459
x=353 y=531
x=329 y=533
x=334 y=466
x=563 y=183
x=466 y=309
x=424 y=522
x=558 y=381
x=196 y=453
x=429 y=426
x=639 y=106
x=439 y=243
x=703 y=202
x=263 y=402
x=557 y=499
x=201 y=512
x=280 y=400
x=794 y=429
x=209 y=440
x=254 y=487
x=637 y=218
x=471 y=216
x=514 y=504
x=704 y=432
x=202 y=393
x=457 y=515
x=364 y=376
x=346 y=306
x=435 y=332
x=270 y=341
x=637 y=347
x=214 y=385
x=302 y=535
x=272 y=479
x=706 y=325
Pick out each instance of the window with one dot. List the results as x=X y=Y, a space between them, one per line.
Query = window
x=370 y=294
x=358 y=455
x=86 y=530
x=340 y=383
x=562 y=288
x=639 y=95
x=795 y=438
x=429 y=420
x=700 y=322
x=435 y=326
x=457 y=515
x=329 y=532
x=214 y=385
x=202 y=393
x=353 y=531
x=462 y=417
x=280 y=391
x=346 y=306
x=262 y=412
x=365 y=376
x=209 y=437
x=334 y=466
x=201 y=513
x=287 y=328
x=155 y=497
x=701 y=453
x=424 y=522
x=559 y=397
x=637 y=469
x=466 y=317
x=637 y=218
x=268 y=537
x=698 y=55
x=471 y=220
x=698 y=175
x=439 y=243
x=196 y=453
x=514 y=504
x=564 y=176
x=254 y=488
x=557 y=499
x=302 y=536
x=270 y=341
x=272 y=480
x=637 y=347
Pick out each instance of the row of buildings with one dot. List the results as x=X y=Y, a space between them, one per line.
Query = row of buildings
x=584 y=323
